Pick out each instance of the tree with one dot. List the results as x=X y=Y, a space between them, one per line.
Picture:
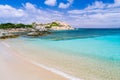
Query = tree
x=11 y=25
x=7 y=25
x=20 y=25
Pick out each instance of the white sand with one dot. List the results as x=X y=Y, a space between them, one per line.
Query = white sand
x=15 y=67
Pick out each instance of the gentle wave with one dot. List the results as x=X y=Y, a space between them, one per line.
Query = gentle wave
x=56 y=71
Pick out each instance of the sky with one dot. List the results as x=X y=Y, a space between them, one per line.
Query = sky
x=77 y=13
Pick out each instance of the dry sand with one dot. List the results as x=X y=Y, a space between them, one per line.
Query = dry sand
x=15 y=67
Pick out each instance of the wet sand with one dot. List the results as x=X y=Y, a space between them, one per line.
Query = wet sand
x=16 y=67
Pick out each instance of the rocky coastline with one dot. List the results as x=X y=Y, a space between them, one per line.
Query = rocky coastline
x=36 y=30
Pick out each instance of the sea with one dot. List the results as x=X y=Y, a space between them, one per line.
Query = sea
x=85 y=53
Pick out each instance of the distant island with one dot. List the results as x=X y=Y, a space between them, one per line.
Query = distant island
x=11 y=30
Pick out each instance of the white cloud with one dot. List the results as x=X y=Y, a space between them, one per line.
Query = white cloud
x=8 y=11
x=28 y=14
x=63 y=5
x=98 y=14
x=116 y=4
x=29 y=6
x=50 y=2
x=97 y=5
x=117 y=1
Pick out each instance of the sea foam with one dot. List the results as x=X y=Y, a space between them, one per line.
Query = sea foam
x=56 y=71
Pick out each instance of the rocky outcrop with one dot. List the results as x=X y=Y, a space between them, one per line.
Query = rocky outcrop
x=39 y=27
x=61 y=26
x=36 y=30
x=56 y=25
x=35 y=34
x=8 y=35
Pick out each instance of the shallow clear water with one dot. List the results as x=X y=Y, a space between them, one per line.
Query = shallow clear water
x=101 y=43
x=94 y=53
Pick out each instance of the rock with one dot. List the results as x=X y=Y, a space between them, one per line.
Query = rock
x=62 y=26
x=8 y=35
x=33 y=34
x=43 y=33
x=56 y=25
x=39 y=27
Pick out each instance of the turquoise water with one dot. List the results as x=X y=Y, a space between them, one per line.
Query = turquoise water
x=94 y=53
x=95 y=43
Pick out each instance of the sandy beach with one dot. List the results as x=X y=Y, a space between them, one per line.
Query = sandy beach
x=16 y=67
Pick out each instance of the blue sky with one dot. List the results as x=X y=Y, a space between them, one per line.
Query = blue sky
x=78 y=13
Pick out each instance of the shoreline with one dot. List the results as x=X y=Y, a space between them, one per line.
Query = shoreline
x=55 y=56
x=48 y=69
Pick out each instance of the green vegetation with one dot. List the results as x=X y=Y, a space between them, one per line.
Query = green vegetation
x=11 y=25
x=48 y=27
x=54 y=24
